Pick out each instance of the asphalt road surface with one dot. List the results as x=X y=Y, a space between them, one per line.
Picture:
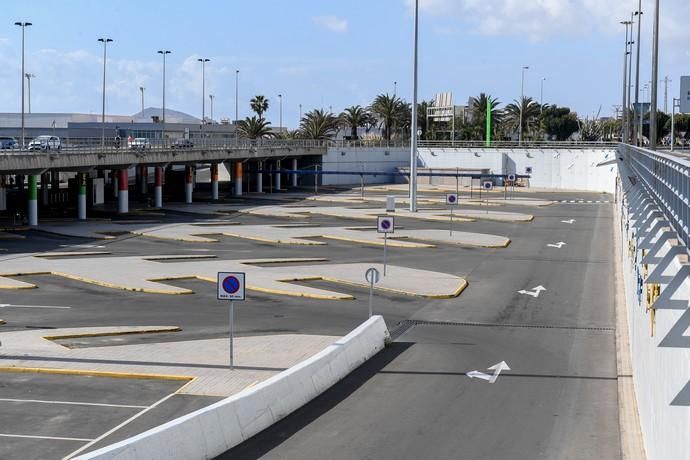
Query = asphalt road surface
x=415 y=401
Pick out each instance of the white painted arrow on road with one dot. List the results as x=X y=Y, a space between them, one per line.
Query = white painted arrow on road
x=491 y=378
x=569 y=221
x=9 y=305
x=556 y=245
x=534 y=292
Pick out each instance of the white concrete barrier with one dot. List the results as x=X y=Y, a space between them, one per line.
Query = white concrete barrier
x=210 y=431
x=659 y=342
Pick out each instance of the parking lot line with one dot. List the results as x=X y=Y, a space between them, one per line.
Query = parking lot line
x=71 y=403
x=91 y=442
x=53 y=438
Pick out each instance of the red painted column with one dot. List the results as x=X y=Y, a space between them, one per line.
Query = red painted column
x=188 y=182
x=123 y=192
x=214 y=181
x=158 y=191
x=238 y=178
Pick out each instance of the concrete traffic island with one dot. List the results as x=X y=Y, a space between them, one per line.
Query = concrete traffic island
x=439 y=215
x=146 y=274
x=429 y=200
x=202 y=363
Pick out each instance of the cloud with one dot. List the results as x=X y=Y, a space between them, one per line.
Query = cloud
x=332 y=23
x=539 y=20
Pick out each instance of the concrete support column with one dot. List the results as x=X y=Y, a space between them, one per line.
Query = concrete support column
x=214 y=181
x=19 y=179
x=115 y=174
x=158 y=190
x=33 y=200
x=144 y=180
x=188 y=184
x=238 y=178
x=260 y=177
x=3 y=193
x=277 y=181
x=123 y=192
x=81 y=205
x=294 y=175
x=45 y=193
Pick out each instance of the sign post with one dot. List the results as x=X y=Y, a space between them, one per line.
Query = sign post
x=372 y=276
x=231 y=287
x=452 y=201
x=512 y=178
x=385 y=225
x=488 y=186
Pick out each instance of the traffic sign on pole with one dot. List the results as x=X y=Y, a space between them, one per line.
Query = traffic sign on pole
x=372 y=276
x=452 y=199
x=488 y=185
x=231 y=287
x=385 y=224
x=512 y=177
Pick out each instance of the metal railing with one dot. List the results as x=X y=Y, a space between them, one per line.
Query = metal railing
x=666 y=178
x=73 y=145
x=381 y=143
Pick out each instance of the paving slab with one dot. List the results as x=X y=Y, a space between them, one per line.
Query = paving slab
x=203 y=362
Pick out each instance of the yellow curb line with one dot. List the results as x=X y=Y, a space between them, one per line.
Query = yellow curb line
x=112 y=334
x=377 y=243
x=123 y=288
x=71 y=254
x=165 y=238
x=266 y=240
x=28 y=286
x=456 y=293
x=91 y=373
x=91 y=237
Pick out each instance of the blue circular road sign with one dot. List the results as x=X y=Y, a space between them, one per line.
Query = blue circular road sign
x=231 y=284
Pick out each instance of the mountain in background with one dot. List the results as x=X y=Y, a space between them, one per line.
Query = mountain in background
x=171 y=116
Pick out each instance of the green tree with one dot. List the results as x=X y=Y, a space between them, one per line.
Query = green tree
x=591 y=129
x=318 y=124
x=355 y=117
x=254 y=128
x=531 y=111
x=390 y=111
x=259 y=105
x=559 y=123
x=663 y=125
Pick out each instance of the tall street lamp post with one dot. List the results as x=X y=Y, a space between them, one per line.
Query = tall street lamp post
x=413 y=134
x=105 y=42
x=203 y=93
x=163 y=52
x=23 y=25
x=638 y=134
x=655 y=80
x=280 y=103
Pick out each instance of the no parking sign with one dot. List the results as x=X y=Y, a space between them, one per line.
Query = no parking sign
x=488 y=185
x=385 y=224
x=452 y=199
x=231 y=286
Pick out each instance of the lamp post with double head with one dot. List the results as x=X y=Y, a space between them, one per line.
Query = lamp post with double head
x=23 y=25
x=105 y=42
x=163 y=52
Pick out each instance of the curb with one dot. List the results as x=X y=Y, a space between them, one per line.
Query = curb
x=93 y=373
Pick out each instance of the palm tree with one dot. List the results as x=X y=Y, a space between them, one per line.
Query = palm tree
x=478 y=107
x=390 y=111
x=355 y=117
x=259 y=104
x=531 y=111
x=254 y=128
x=318 y=124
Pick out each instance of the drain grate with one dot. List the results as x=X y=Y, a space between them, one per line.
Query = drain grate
x=406 y=325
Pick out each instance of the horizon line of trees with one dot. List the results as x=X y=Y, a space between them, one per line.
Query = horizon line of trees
x=392 y=115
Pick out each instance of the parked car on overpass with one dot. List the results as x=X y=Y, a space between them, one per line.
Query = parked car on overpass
x=140 y=143
x=8 y=143
x=45 y=143
x=182 y=143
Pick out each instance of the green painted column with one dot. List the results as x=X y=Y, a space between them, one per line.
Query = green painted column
x=33 y=200
x=488 y=122
x=81 y=206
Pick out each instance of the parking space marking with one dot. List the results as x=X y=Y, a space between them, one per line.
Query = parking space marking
x=52 y=438
x=72 y=403
x=54 y=307
x=91 y=442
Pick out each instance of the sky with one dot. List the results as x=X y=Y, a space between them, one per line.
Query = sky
x=323 y=53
